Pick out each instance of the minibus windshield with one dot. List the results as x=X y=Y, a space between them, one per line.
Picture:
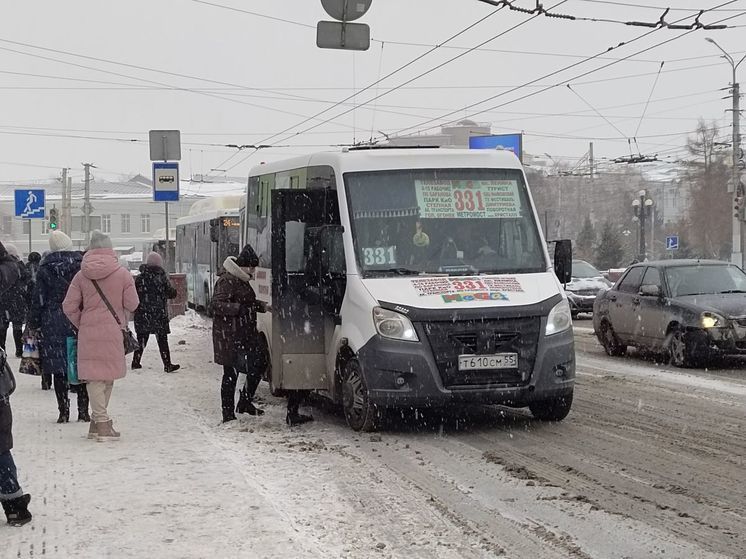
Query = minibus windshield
x=443 y=221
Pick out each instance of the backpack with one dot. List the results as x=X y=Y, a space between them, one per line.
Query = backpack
x=7 y=380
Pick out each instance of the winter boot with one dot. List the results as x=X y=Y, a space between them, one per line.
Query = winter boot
x=64 y=416
x=46 y=381
x=171 y=368
x=136 y=364
x=105 y=432
x=228 y=417
x=16 y=510
x=84 y=416
x=92 y=430
x=296 y=418
x=245 y=405
x=82 y=392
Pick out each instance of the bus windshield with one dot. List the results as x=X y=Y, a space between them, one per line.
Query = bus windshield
x=443 y=221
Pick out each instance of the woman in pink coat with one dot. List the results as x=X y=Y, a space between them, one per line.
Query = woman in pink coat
x=100 y=343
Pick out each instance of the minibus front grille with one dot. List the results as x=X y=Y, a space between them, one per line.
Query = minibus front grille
x=449 y=339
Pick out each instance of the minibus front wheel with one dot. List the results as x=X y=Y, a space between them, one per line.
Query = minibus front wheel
x=553 y=409
x=360 y=413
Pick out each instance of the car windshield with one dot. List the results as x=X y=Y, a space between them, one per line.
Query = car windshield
x=581 y=269
x=449 y=221
x=705 y=279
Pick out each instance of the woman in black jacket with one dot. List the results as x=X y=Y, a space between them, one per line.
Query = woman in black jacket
x=14 y=501
x=47 y=319
x=151 y=317
x=14 y=302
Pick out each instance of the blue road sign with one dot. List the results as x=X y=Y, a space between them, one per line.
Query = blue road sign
x=30 y=203
x=511 y=142
x=165 y=182
x=672 y=242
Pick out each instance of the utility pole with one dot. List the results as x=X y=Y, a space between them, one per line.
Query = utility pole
x=64 y=200
x=87 y=209
x=736 y=186
x=591 y=160
x=67 y=205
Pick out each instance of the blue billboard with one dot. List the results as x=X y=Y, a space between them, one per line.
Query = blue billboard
x=512 y=142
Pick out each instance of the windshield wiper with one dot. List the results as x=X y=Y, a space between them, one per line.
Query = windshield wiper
x=401 y=271
x=734 y=291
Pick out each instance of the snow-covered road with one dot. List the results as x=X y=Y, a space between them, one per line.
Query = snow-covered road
x=643 y=467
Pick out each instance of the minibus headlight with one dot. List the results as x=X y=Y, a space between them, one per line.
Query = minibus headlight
x=390 y=324
x=559 y=319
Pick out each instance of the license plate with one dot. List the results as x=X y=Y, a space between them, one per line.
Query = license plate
x=495 y=361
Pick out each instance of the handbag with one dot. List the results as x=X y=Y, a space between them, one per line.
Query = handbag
x=7 y=380
x=72 y=360
x=30 y=366
x=130 y=342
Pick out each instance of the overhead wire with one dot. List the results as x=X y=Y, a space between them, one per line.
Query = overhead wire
x=375 y=98
x=559 y=71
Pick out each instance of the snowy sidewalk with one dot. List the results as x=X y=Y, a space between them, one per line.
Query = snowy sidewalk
x=179 y=484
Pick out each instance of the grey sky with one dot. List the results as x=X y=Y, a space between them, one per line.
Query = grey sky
x=187 y=37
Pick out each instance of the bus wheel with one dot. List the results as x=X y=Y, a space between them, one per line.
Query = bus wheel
x=555 y=409
x=361 y=415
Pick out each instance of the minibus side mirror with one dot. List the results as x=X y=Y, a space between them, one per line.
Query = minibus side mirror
x=563 y=260
x=214 y=230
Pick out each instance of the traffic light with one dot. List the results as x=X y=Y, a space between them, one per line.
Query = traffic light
x=53 y=219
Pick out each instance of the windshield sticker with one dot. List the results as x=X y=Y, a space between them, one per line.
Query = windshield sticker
x=456 y=199
x=449 y=286
x=379 y=256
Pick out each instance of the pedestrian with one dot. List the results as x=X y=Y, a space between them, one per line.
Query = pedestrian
x=102 y=284
x=151 y=317
x=14 y=501
x=234 y=332
x=52 y=328
x=14 y=303
x=34 y=260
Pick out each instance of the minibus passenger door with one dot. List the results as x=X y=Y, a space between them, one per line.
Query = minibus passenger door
x=298 y=334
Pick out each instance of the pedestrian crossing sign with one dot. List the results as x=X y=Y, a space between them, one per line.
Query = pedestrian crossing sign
x=30 y=203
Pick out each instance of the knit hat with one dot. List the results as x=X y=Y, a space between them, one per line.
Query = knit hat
x=247 y=258
x=34 y=257
x=11 y=249
x=59 y=242
x=154 y=259
x=99 y=240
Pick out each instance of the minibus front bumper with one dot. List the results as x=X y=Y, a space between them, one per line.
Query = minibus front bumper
x=419 y=374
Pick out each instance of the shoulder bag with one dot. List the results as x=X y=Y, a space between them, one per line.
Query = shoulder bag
x=130 y=342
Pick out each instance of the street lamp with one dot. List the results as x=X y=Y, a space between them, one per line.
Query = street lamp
x=642 y=208
x=737 y=187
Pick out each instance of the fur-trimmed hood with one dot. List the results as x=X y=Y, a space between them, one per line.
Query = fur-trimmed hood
x=233 y=269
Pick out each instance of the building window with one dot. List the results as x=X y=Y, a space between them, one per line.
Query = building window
x=125 y=223
x=106 y=223
x=26 y=226
x=145 y=223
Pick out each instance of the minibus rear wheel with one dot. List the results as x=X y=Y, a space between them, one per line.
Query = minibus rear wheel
x=361 y=415
x=555 y=409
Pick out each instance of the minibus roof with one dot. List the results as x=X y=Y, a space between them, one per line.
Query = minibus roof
x=381 y=159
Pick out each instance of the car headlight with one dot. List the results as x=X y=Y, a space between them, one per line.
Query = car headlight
x=390 y=324
x=712 y=320
x=559 y=319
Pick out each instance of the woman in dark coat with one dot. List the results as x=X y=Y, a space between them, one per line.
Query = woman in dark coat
x=151 y=317
x=234 y=330
x=14 y=501
x=46 y=318
x=14 y=302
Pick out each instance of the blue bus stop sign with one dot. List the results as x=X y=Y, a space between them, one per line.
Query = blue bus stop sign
x=672 y=242
x=165 y=182
x=30 y=203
